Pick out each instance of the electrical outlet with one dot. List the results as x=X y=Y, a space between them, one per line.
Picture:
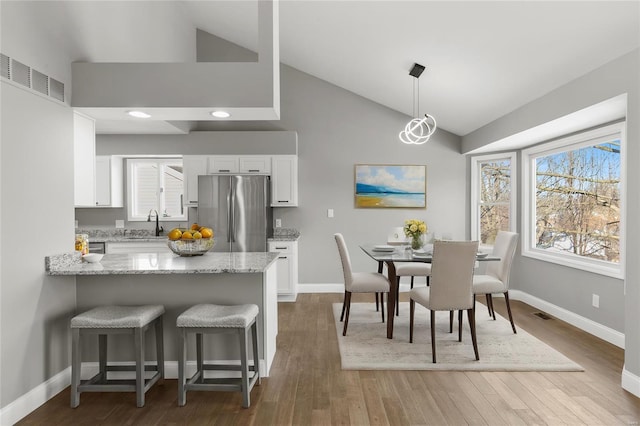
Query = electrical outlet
x=278 y=223
x=595 y=300
x=119 y=224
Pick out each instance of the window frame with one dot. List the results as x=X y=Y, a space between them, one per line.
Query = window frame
x=161 y=162
x=564 y=144
x=475 y=190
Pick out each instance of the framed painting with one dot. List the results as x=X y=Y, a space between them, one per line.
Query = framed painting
x=390 y=186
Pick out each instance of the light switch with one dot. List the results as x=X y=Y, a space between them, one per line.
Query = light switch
x=330 y=213
x=595 y=300
x=278 y=223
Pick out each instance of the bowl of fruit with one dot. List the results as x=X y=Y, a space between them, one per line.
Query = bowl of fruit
x=194 y=241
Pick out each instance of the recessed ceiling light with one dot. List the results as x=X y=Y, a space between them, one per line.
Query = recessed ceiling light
x=221 y=114
x=138 y=114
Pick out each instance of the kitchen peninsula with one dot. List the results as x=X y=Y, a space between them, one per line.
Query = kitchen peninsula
x=178 y=283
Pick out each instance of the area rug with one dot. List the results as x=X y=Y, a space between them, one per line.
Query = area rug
x=366 y=347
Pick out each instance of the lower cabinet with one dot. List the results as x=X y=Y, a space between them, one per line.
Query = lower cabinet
x=287 y=268
x=137 y=247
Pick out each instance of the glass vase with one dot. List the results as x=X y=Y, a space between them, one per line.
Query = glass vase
x=416 y=242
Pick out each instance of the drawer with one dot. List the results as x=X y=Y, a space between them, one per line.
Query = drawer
x=281 y=246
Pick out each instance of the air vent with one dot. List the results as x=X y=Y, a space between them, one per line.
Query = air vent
x=56 y=89
x=40 y=82
x=5 y=63
x=542 y=315
x=26 y=76
x=20 y=73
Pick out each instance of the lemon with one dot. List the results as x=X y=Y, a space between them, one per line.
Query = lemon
x=196 y=235
x=206 y=232
x=174 y=234
x=186 y=235
x=195 y=227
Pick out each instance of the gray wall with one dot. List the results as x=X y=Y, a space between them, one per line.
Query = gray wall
x=570 y=288
x=36 y=221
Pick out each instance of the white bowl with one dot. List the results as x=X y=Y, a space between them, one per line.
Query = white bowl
x=92 y=257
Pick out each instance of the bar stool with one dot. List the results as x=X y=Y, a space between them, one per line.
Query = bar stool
x=209 y=319
x=106 y=320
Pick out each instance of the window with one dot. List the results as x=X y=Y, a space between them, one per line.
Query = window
x=493 y=196
x=155 y=185
x=573 y=200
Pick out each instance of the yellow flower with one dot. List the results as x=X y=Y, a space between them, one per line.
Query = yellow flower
x=414 y=227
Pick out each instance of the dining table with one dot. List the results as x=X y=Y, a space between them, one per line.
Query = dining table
x=389 y=255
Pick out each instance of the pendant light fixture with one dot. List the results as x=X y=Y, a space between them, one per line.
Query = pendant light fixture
x=418 y=130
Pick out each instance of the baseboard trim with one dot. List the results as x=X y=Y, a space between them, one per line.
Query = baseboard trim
x=321 y=288
x=630 y=382
x=603 y=332
x=22 y=406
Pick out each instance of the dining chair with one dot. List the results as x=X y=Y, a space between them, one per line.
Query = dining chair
x=357 y=282
x=450 y=289
x=410 y=269
x=496 y=276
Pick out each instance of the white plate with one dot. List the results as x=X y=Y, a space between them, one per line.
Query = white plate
x=383 y=247
x=482 y=255
x=421 y=255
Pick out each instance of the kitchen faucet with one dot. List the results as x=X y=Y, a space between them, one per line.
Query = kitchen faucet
x=159 y=229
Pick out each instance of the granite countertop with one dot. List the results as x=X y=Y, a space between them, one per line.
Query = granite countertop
x=160 y=263
x=120 y=235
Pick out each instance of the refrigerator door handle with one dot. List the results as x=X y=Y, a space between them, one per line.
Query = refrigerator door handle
x=229 y=215
x=232 y=222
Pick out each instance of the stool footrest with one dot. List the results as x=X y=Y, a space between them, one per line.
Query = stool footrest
x=114 y=385
x=149 y=367
x=221 y=383
x=230 y=367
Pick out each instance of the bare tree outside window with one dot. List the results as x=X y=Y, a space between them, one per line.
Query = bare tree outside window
x=495 y=199
x=578 y=202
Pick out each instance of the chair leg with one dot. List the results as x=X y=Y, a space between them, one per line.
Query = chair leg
x=160 y=348
x=506 y=299
x=344 y=304
x=450 y=321
x=182 y=365
x=347 y=303
x=471 y=313
x=102 y=356
x=76 y=364
x=256 y=356
x=244 y=367
x=460 y=325
x=493 y=311
x=398 y=298
x=138 y=337
x=199 y=357
x=433 y=335
x=411 y=281
x=382 y=305
x=377 y=304
x=412 y=311
x=488 y=296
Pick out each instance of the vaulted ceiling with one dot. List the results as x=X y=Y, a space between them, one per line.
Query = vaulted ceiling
x=483 y=59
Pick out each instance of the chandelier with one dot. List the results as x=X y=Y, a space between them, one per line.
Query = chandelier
x=418 y=130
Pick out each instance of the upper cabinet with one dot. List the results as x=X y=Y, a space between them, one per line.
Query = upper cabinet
x=192 y=167
x=284 y=181
x=84 y=151
x=255 y=164
x=223 y=164
x=109 y=181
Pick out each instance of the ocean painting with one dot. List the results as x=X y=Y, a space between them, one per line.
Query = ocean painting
x=390 y=186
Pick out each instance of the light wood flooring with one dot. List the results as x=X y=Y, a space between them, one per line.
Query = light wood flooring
x=308 y=387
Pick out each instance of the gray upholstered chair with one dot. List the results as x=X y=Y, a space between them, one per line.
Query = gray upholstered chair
x=410 y=269
x=496 y=276
x=357 y=282
x=450 y=287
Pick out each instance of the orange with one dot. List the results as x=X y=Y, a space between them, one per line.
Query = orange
x=195 y=227
x=174 y=234
x=197 y=235
x=206 y=233
x=186 y=235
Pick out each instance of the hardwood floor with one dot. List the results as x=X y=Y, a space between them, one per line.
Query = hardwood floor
x=308 y=387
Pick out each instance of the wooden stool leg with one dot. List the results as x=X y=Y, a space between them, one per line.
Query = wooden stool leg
x=138 y=337
x=75 y=367
x=199 y=357
x=244 y=365
x=256 y=357
x=160 y=348
x=182 y=365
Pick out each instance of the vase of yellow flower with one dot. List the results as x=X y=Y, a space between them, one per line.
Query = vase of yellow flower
x=415 y=229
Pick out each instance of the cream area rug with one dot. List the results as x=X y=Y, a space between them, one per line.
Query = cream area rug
x=366 y=347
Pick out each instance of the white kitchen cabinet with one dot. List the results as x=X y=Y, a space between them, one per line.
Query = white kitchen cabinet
x=284 y=181
x=137 y=247
x=255 y=164
x=109 y=181
x=84 y=152
x=223 y=164
x=287 y=268
x=192 y=167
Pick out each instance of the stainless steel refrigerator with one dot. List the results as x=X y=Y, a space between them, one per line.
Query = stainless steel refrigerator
x=238 y=208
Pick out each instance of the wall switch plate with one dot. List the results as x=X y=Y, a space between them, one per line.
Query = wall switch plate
x=330 y=213
x=119 y=223
x=595 y=300
x=278 y=223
